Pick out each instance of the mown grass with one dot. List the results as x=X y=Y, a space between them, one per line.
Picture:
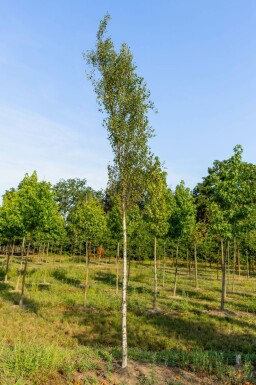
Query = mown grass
x=53 y=334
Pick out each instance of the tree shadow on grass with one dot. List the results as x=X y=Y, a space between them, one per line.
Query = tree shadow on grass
x=110 y=279
x=105 y=277
x=61 y=275
x=162 y=330
x=13 y=297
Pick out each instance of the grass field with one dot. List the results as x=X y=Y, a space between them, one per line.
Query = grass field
x=55 y=340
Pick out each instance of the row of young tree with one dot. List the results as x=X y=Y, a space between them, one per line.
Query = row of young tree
x=209 y=223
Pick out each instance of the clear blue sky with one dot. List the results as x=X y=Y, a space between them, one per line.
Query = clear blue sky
x=198 y=58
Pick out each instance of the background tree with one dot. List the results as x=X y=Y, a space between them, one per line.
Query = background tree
x=38 y=210
x=158 y=206
x=90 y=221
x=11 y=226
x=182 y=220
x=229 y=189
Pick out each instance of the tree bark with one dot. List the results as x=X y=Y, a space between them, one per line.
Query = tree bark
x=24 y=277
x=155 y=275
x=21 y=260
x=218 y=265
x=247 y=264
x=7 y=263
x=86 y=273
x=223 y=288
x=228 y=262
x=188 y=269
x=238 y=263
x=164 y=263
x=195 y=256
x=117 y=266
x=176 y=271
x=234 y=267
x=124 y=289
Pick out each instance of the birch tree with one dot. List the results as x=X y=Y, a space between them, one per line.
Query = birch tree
x=125 y=100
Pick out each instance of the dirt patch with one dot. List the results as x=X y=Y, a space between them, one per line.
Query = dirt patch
x=149 y=374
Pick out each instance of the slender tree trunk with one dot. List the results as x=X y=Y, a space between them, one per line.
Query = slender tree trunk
x=86 y=273
x=21 y=261
x=155 y=275
x=12 y=252
x=47 y=250
x=164 y=263
x=218 y=265
x=188 y=269
x=7 y=263
x=176 y=271
x=43 y=252
x=117 y=266
x=238 y=263
x=124 y=303
x=223 y=289
x=24 y=277
x=234 y=267
x=247 y=264
x=80 y=253
x=228 y=261
x=195 y=256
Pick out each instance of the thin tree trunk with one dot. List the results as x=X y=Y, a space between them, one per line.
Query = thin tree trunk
x=7 y=263
x=43 y=252
x=24 y=277
x=47 y=250
x=195 y=256
x=188 y=269
x=21 y=260
x=155 y=275
x=80 y=253
x=12 y=252
x=247 y=264
x=176 y=271
x=238 y=263
x=86 y=272
x=223 y=289
x=218 y=265
x=234 y=267
x=228 y=251
x=117 y=266
x=164 y=263
x=124 y=303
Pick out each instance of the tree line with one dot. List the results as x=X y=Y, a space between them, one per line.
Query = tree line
x=214 y=223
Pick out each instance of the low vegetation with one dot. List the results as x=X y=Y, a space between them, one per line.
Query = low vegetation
x=53 y=339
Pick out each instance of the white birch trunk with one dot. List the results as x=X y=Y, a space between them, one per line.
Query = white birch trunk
x=124 y=294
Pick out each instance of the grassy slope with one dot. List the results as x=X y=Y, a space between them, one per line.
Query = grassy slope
x=54 y=337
